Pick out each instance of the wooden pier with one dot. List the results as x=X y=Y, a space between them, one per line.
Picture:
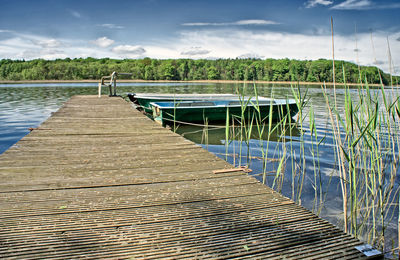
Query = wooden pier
x=100 y=180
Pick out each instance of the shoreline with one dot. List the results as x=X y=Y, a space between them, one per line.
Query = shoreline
x=182 y=81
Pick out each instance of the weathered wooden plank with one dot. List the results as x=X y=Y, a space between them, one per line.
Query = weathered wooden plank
x=100 y=180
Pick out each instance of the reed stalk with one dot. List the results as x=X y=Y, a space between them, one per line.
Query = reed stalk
x=205 y=132
x=227 y=139
x=269 y=132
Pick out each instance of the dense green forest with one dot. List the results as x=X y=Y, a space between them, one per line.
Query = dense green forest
x=188 y=69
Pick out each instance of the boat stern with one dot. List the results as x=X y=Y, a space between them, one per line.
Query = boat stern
x=157 y=113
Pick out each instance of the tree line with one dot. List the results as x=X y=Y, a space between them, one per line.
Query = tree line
x=188 y=69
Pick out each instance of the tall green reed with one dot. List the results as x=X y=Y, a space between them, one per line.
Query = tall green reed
x=365 y=134
x=366 y=139
x=367 y=144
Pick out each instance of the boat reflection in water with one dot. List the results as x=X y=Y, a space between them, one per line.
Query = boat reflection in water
x=217 y=134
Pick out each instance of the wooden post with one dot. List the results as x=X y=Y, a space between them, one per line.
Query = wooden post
x=99 y=91
x=115 y=85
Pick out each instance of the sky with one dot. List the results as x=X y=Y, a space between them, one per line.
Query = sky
x=365 y=31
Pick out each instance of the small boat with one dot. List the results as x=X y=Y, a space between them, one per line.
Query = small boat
x=143 y=100
x=216 y=110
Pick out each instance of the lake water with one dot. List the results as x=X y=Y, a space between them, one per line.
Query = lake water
x=27 y=105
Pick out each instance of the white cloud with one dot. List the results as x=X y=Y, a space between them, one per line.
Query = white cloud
x=354 y=5
x=111 y=26
x=48 y=54
x=313 y=3
x=254 y=22
x=103 y=42
x=221 y=43
x=166 y=50
x=5 y=31
x=47 y=43
x=130 y=51
x=75 y=13
x=195 y=51
x=28 y=46
x=267 y=44
x=250 y=56
x=378 y=62
x=240 y=22
x=17 y=43
x=233 y=43
x=24 y=48
x=201 y=24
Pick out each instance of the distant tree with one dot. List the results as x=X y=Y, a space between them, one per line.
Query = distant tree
x=183 y=70
x=149 y=72
x=187 y=69
x=168 y=72
x=213 y=73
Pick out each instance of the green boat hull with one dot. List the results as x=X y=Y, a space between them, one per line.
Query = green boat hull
x=218 y=114
x=142 y=101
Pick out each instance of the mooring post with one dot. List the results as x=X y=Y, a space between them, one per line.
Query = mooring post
x=115 y=83
x=99 y=91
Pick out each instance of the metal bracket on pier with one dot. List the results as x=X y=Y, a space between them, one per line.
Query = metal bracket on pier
x=113 y=82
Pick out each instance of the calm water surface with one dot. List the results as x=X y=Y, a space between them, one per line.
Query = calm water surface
x=27 y=105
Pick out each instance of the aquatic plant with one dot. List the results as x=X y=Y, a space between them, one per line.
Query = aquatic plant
x=365 y=139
